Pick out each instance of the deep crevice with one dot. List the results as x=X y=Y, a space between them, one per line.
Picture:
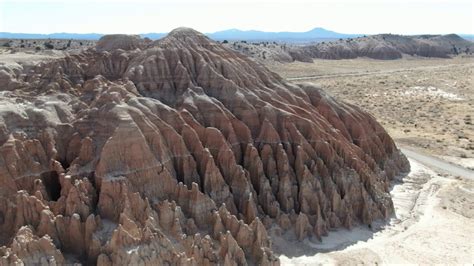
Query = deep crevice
x=65 y=164
x=52 y=184
x=91 y=178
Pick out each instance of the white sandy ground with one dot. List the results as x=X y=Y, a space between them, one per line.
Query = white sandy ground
x=431 y=91
x=433 y=224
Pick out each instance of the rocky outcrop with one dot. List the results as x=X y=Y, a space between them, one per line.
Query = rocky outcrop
x=266 y=51
x=389 y=46
x=119 y=41
x=181 y=152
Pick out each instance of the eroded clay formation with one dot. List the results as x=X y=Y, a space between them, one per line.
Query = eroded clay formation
x=390 y=46
x=380 y=46
x=179 y=151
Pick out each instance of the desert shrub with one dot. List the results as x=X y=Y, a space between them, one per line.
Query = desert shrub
x=38 y=48
x=455 y=50
x=48 y=45
x=225 y=41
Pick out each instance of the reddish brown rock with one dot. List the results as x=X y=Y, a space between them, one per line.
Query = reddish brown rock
x=28 y=248
x=179 y=152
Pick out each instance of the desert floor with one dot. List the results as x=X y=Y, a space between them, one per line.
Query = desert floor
x=426 y=104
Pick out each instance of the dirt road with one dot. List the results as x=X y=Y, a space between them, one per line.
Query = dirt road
x=436 y=163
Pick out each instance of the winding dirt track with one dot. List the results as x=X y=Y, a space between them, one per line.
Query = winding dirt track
x=438 y=164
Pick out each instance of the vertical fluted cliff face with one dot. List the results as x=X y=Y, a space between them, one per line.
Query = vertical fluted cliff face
x=179 y=151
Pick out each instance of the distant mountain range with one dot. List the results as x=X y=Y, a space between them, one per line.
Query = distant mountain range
x=231 y=34
x=314 y=34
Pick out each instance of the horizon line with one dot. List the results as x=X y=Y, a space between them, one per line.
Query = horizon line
x=229 y=29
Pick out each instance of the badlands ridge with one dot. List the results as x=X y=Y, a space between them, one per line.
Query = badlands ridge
x=178 y=151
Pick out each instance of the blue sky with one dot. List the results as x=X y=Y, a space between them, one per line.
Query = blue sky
x=142 y=16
